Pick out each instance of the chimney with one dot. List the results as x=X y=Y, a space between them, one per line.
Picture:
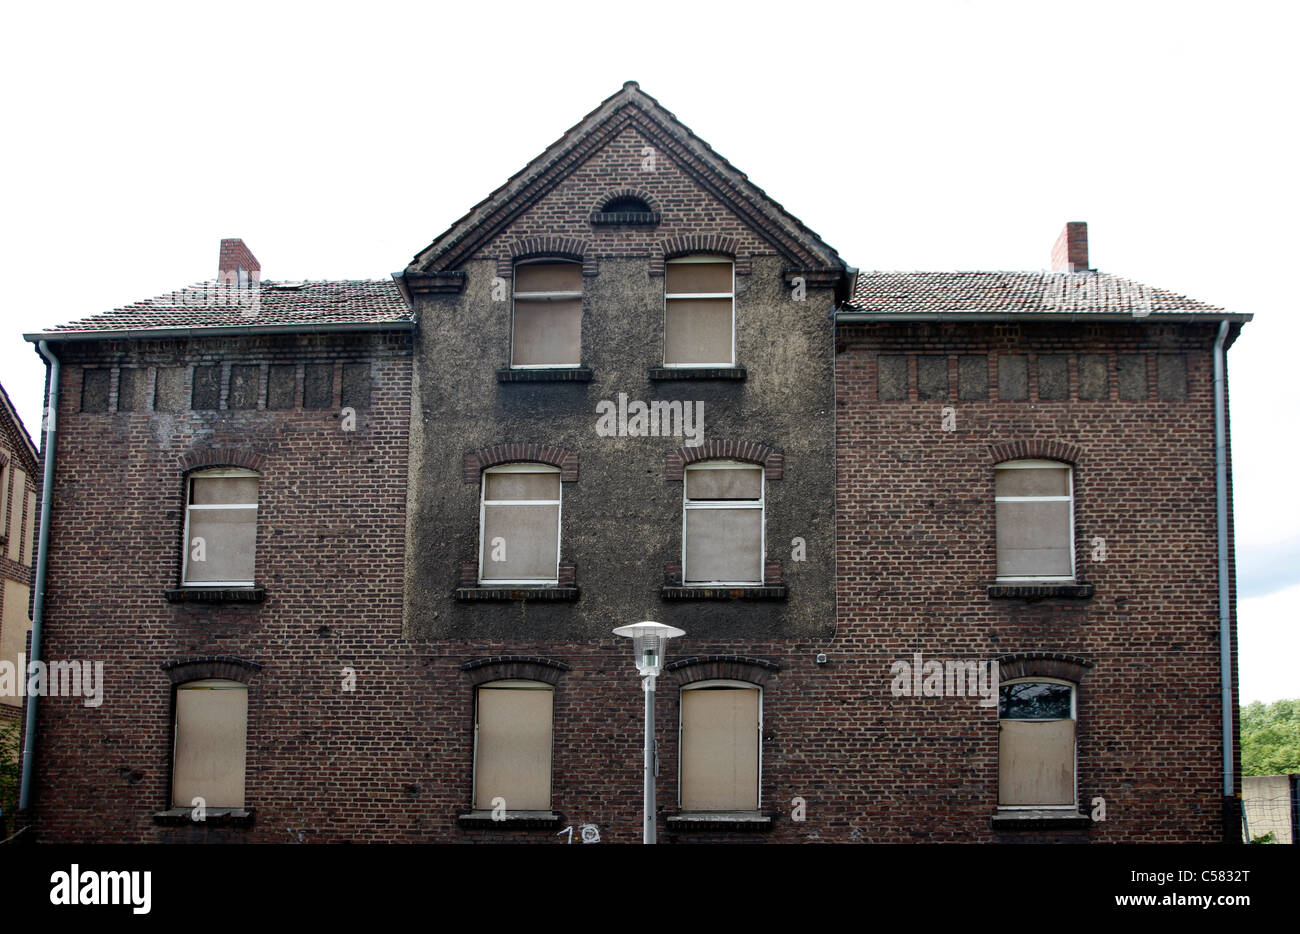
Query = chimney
x=238 y=266
x=1071 y=251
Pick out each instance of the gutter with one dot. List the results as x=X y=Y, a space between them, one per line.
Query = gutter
x=1225 y=610
x=865 y=316
x=229 y=331
x=42 y=559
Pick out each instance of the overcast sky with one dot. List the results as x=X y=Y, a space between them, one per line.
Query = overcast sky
x=338 y=139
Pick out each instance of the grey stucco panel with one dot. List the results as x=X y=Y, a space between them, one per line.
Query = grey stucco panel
x=621 y=522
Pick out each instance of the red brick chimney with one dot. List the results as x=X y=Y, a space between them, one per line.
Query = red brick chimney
x=238 y=266
x=1071 y=251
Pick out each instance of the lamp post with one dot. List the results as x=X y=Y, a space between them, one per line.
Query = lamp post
x=649 y=646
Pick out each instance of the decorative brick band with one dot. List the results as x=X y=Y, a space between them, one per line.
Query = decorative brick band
x=475 y=462
x=511 y=667
x=222 y=457
x=1043 y=664
x=817 y=277
x=770 y=459
x=1034 y=447
x=436 y=283
x=202 y=667
x=722 y=667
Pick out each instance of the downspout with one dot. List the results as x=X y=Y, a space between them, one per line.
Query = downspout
x=42 y=556
x=1225 y=618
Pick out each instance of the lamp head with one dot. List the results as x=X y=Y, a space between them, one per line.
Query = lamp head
x=649 y=644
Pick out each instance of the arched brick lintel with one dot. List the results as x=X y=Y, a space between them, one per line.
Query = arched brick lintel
x=200 y=668
x=688 y=244
x=1034 y=447
x=615 y=195
x=721 y=667
x=770 y=459
x=222 y=457
x=475 y=462
x=1043 y=664
x=514 y=667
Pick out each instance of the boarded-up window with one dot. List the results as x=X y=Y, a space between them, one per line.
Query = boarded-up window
x=14 y=626
x=1035 y=520
x=720 y=747
x=722 y=538
x=29 y=532
x=520 y=525
x=512 y=745
x=16 y=501
x=698 y=312
x=221 y=527
x=1036 y=744
x=547 y=328
x=211 y=734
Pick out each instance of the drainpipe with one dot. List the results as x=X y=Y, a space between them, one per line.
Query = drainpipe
x=1225 y=619
x=42 y=556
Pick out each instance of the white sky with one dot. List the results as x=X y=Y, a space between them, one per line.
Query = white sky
x=337 y=139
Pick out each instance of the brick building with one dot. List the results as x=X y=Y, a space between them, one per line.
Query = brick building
x=351 y=551
x=19 y=490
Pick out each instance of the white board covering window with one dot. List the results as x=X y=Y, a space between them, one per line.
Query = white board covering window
x=722 y=523
x=1036 y=732
x=519 y=522
x=210 y=739
x=512 y=745
x=699 y=312
x=221 y=527
x=1034 y=500
x=547 y=325
x=721 y=727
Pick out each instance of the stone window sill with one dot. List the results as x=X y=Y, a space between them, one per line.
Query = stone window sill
x=1040 y=591
x=768 y=592
x=568 y=374
x=215 y=594
x=466 y=594
x=218 y=817
x=513 y=820
x=713 y=821
x=658 y=373
x=1045 y=819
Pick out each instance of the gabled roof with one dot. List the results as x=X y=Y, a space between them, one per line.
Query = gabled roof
x=886 y=295
x=27 y=450
x=629 y=107
x=268 y=306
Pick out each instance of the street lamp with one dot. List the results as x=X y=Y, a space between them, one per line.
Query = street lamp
x=649 y=646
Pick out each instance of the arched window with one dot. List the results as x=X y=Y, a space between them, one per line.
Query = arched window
x=519 y=525
x=1034 y=501
x=512 y=745
x=626 y=205
x=210 y=739
x=723 y=513
x=546 y=330
x=1036 y=735
x=699 y=319
x=220 y=527
x=720 y=746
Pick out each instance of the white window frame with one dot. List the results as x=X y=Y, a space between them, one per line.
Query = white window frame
x=760 y=504
x=216 y=472
x=1039 y=464
x=731 y=296
x=1074 y=715
x=483 y=503
x=517 y=684
x=545 y=297
x=721 y=683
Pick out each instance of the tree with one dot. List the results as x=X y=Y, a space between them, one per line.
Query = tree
x=9 y=732
x=1270 y=738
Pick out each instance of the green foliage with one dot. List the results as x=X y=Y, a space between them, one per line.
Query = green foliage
x=9 y=732
x=1267 y=838
x=1270 y=738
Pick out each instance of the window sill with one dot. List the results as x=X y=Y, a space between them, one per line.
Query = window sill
x=712 y=821
x=769 y=592
x=215 y=817
x=568 y=374
x=704 y=372
x=516 y=593
x=1046 y=819
x=513 y=820
x=1040 y=591
x=625 y=218
x=215 y=594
